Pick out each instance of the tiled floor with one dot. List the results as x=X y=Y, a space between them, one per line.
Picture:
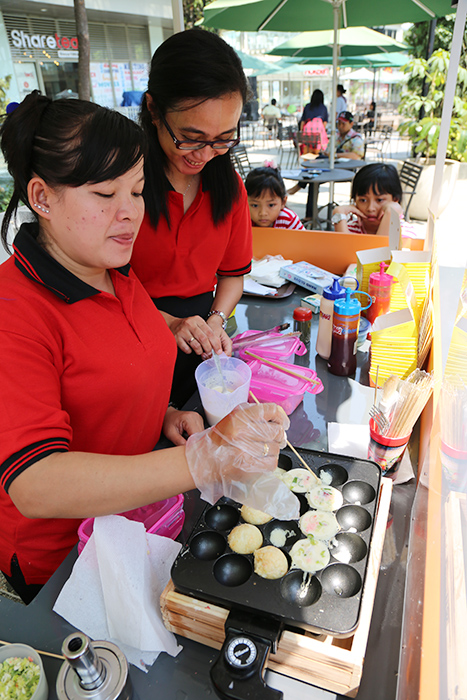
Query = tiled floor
x=6 y=590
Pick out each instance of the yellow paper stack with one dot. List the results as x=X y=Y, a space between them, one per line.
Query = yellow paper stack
x=394 y=339
x=395 y=346
x=368 y=261
x=456 y=363
x=417 y=267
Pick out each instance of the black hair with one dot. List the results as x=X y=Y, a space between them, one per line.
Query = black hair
x=273 y=101
x=381 y=178
x=191 y=67
x=265 y=179
x=317 y=98
x=66 y=143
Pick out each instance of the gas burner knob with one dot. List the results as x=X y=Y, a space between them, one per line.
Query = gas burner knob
x=241 y=652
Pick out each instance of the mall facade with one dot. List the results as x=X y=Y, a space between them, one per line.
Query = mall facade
x=39 y=46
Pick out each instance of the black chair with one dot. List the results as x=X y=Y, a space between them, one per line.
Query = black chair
x=409 y=177
x=287 y=136
x=240 y=160
x=380 y=143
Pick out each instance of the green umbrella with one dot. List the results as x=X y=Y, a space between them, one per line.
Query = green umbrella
x=380 y=60
x=295 y=15
x=253 y=62
x=353 y=41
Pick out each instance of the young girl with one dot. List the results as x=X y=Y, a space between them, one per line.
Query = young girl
x=376 y=190
x=267 y=198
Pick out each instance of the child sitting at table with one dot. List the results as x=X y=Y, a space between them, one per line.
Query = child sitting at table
x=267 y=198
x=376 y=189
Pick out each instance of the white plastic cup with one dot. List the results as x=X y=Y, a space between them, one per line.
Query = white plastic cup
x=216 y=403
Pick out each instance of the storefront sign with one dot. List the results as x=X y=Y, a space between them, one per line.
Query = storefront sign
x=316 y=72
x=41 y=41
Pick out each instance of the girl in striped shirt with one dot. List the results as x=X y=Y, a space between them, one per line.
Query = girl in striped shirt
x=376 y=189
x=267 y=198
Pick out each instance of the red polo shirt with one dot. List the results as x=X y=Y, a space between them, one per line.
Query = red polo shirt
x=80 y=370
x=183 y=259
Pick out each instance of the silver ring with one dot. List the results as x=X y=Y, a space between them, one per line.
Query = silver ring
x=265 y=449
x=191 y=339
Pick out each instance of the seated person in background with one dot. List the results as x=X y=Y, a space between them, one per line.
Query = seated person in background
x=376 y=189
x=315 y=108
x=272 y=110
x=267 y=198
x=349 y=143
x=271 y=115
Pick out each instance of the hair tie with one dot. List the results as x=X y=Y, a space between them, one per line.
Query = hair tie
x=270 y=164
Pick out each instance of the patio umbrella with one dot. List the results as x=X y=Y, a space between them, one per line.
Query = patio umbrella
x=295 y=15
x=353 y=41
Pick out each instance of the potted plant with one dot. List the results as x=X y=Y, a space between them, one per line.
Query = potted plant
x=423 y=128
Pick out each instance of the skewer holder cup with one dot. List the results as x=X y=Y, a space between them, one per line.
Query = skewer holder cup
x=386 y=451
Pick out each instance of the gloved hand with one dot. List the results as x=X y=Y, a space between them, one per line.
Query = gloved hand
x=236 y=456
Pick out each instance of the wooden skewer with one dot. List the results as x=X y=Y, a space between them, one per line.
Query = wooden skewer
x=42 y=653
x=282 y=369
x=292 y=448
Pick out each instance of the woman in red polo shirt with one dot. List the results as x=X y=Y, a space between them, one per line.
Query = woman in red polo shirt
x=196 y=234
x=86 y=358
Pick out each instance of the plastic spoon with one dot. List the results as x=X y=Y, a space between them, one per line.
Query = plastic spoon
x=217 y=362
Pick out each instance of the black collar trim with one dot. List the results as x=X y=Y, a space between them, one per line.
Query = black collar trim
x=36 y=264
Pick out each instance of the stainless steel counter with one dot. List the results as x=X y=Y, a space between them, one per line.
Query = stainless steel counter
x=187 y=676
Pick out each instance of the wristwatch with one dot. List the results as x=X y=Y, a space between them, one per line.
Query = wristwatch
x=221 y=314
x=338 y=216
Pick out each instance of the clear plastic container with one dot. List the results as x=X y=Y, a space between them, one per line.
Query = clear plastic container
x=284 y=347
x=216 y=402
x=163 y=518
x=26 y=652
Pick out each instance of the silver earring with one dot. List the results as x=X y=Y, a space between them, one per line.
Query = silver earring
x=41 y=208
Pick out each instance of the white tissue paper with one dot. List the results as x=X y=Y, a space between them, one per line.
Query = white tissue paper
x=114 y=589
x=266 y=270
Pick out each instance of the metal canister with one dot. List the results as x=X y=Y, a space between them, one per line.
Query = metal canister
x=97 y=671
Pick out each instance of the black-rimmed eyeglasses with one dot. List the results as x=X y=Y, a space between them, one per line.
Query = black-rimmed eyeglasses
x=196 y=145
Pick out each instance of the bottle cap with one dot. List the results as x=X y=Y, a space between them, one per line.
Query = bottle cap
x=347 y=306
x=302 y=314
x=381 y=278
x=334 y=291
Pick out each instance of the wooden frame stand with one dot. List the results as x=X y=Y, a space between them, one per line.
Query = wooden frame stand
x=330 y=663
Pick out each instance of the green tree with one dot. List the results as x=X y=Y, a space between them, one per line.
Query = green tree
x=4 y=87
x=425 y=132
x=417 y=38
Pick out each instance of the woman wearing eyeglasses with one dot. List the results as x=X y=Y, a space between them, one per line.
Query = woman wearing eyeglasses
x=196 y=234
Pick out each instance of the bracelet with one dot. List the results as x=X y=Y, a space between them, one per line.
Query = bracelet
x=338 y=216
x=221 y=314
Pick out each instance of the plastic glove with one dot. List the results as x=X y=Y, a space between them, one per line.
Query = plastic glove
x=231 y=458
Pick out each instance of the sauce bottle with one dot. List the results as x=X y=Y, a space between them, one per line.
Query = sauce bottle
x=302 y=322
x=329 y=296
x=379 y=289
x=345 y=322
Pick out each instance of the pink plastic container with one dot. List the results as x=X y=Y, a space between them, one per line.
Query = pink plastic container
x=270 y=384
x=284 y=348
x=163 y=518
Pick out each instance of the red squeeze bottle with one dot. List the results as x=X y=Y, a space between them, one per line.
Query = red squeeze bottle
x=379 y=289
